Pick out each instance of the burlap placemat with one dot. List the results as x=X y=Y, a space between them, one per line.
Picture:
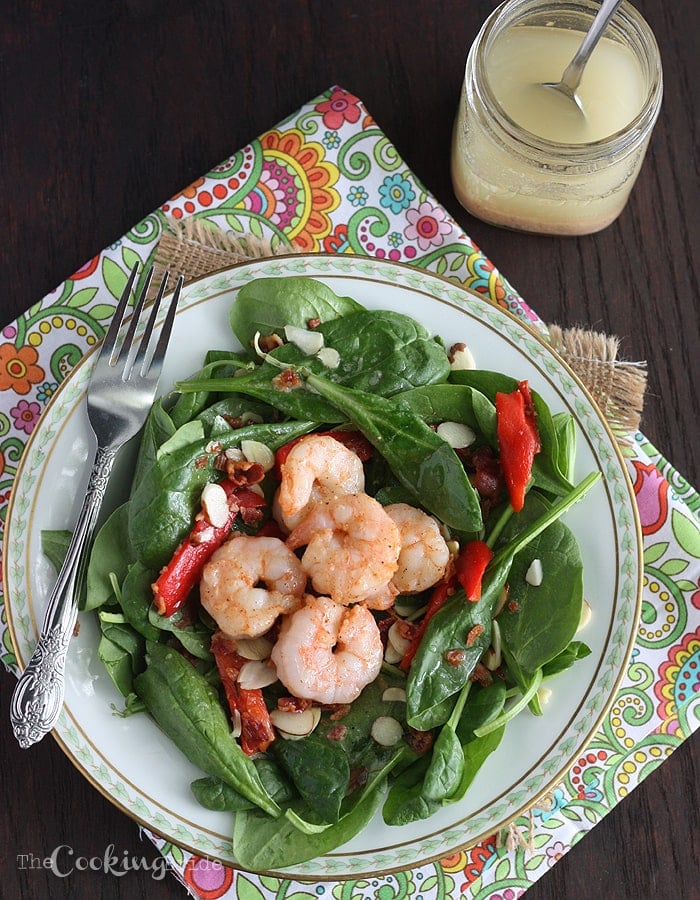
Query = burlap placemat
x=193 y=249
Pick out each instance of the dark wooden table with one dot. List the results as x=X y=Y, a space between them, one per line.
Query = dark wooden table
x=107 y=109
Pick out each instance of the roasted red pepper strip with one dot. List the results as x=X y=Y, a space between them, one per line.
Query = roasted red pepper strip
x=178 y=578
x=518 y=440
x=353 y=440
x=437 y=600
x=257 y=732
x=471 y=564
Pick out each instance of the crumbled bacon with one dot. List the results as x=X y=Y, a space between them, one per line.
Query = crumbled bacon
x=313 y=323
x=454 y=657
x=419 y=741
x=269 y=342
x=474 y=635
x=201 y=462
x=481 y=675
x=287 y=380
x=339 y=711
x=337 y=733
x=251 y=516
x=242 y=472
x=293 y=704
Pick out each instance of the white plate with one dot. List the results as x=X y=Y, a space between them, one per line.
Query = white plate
x=131 y=762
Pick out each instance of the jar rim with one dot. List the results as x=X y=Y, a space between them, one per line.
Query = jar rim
x=626 y=17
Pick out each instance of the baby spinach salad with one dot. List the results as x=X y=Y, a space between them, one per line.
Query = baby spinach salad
x=476 y=454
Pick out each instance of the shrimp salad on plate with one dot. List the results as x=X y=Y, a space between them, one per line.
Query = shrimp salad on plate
x=341 y=569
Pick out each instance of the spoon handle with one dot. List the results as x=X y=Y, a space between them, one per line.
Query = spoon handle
x=573 y=72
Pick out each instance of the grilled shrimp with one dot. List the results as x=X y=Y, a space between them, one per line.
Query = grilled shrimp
x=424 y=553
x=327 y=652
x=352 y=549
x=317 y=468
x=230 y=588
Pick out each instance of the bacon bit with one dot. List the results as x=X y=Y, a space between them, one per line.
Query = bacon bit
x=76 y=628
x=243 y=472
x=339 y=711
x=474 y=635
x=513 y=606
x=481 y=675
x=337 y=733
x=213 y=447
x=251 y=516
x=287 y=380
x=455 y=657
x=419 y=741
x=313 y=323
x=269 y=342
x=293 y=704
x=358 y=778
x=220 y=462
x=201 y=462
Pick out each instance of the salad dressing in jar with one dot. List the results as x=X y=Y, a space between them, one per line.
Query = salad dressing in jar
x=524 y=156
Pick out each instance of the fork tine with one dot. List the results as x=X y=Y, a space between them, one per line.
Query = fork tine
x=140 y=359
x=128 y=341
x=156 y=362
x=118 y=317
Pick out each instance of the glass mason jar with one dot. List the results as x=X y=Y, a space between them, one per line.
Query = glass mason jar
x=512 y=177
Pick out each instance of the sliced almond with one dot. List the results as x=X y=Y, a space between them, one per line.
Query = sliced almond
x=215 y=504
x=392 y=655
x=254 y=648
x=236 y=724
x=461 y=357
x=295 y=724
x=309 y=342
x=329 y=356
x=257 y=452
x=544 y=695
x=398 y=641
x=387 y=731
x=534 y=573
x=257 y=673
x=394 y=695
x=457 y=434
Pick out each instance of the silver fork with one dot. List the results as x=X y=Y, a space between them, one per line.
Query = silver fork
x=121 y=390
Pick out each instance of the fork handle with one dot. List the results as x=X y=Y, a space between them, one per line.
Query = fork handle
x=38 y=696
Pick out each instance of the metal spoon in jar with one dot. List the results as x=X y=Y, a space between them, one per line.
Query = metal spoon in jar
x=571 y=78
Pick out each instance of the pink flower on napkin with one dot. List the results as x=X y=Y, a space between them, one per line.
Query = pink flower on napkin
x=25 y=416
x=340 y=107
x=428 y=225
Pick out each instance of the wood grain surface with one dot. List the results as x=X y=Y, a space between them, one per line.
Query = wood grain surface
x=107 y=109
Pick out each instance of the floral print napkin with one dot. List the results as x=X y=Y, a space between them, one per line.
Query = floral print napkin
x=328 y=179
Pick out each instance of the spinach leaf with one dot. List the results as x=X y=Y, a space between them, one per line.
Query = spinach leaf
x=319 y=770
x=188 y=710
x=223 y=363
x=136 y=599
x=122 y=650
x=546 y=470
x=444 y=772
x=266 y=305
x=194 y=636
x=458 y=626
x=419 y=458
x=405 y=801
x=109 y=558
x=213 y=793
x=163 y=503
x=539 y=621
x=54 y=546
x=262 y=843
x=453 y=403
x=574 y=651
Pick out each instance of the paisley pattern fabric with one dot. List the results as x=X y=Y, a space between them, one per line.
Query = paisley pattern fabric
x=327 y=179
